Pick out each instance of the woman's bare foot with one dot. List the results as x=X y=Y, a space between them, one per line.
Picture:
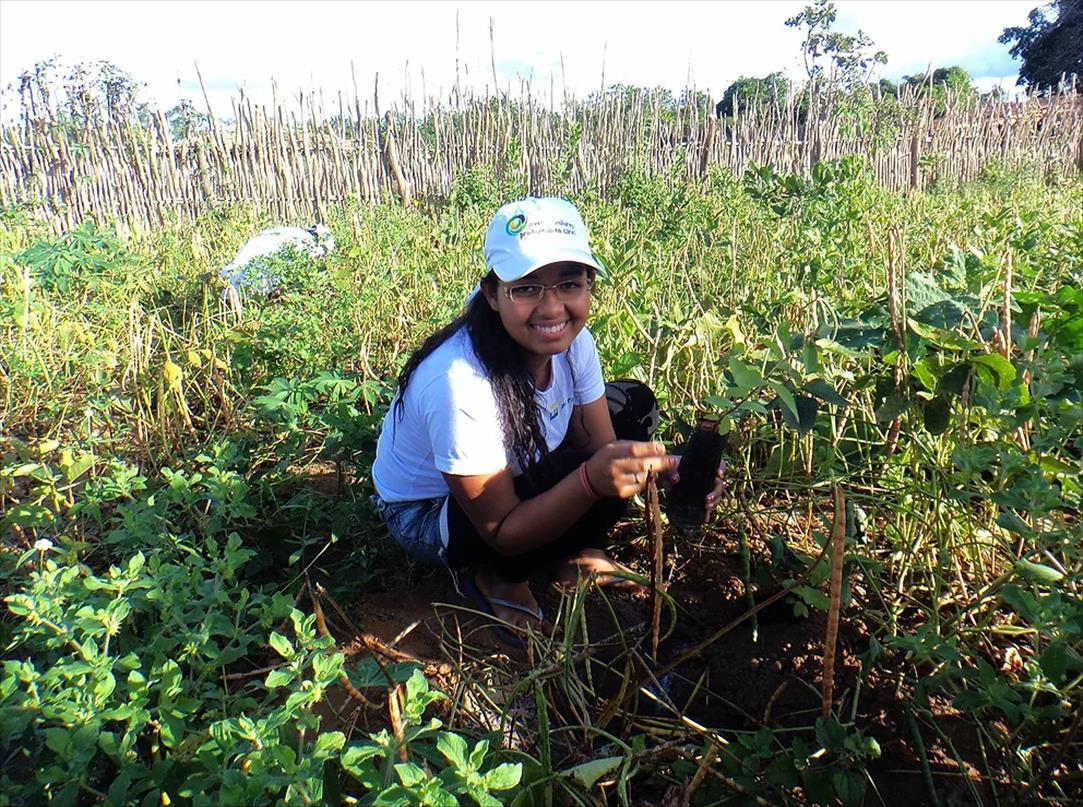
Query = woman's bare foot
x=595 y=564
x=510 y=602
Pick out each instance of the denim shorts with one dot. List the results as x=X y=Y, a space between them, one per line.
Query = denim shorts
x=418 y=526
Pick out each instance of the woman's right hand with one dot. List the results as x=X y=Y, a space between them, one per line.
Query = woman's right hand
x=619 y=469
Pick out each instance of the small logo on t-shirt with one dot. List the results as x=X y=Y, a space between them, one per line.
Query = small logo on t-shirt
x=555 y=408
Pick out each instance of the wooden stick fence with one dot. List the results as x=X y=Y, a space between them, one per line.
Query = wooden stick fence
x=292 y=163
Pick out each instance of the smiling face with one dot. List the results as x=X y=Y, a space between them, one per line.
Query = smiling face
x=549 y=325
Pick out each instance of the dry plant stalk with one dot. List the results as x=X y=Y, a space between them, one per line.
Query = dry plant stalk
x=321 y=626
x=732 y=784
x=1022 y=434
x=896 y=306
x=368 y=640
x=896 y=296
x=240 y=676
x=838 y=553
x=1006 y=313
x=964 y=407
x=772 y=700
x=701 y=772
x=658 y=560
x=394 y=713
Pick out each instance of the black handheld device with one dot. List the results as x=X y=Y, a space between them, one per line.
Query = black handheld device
x=700 y=460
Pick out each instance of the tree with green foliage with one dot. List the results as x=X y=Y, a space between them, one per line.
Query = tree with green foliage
x=694 y=99
x=838 y=65
x=185 y=120
x=833 y=59
x=630 y=95
x=1051 y=46
x=887 y=88
x=954 y=78
x=746 y=91
x=88 y=92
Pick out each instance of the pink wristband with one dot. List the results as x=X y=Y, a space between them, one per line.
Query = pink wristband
x=585 y=479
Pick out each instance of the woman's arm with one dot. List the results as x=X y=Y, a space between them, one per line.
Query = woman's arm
x=590 y=427
x=511 y=525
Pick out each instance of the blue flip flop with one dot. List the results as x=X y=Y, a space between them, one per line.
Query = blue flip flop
x=485 y=604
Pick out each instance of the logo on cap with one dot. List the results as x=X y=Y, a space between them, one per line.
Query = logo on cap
x=515 y=224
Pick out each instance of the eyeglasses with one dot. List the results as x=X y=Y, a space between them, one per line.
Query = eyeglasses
x=566 y=290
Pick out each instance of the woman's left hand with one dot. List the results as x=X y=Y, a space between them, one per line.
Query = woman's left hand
x=715 y=496
x=671 y=477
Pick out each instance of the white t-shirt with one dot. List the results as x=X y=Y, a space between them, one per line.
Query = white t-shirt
x=450 y=422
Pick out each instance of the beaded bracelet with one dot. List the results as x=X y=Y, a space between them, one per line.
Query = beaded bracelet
x=585 y=479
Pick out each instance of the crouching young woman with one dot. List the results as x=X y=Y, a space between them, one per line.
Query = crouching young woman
x=504 y=454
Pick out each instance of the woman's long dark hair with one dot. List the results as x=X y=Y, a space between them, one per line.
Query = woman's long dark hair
x=502 y=358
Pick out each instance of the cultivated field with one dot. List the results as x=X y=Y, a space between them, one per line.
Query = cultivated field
x=193 y=571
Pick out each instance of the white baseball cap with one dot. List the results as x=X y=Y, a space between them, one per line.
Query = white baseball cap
x=530 y=233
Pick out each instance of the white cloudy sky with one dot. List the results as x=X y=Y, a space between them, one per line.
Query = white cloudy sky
x=312 y=44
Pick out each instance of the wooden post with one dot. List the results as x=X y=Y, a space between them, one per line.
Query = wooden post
x=705 y=151
x=391 y=149
x=915 y=158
